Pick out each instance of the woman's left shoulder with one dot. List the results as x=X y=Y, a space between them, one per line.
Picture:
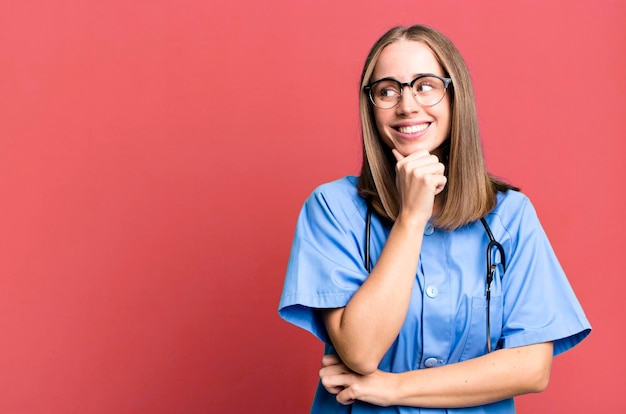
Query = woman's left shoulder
x=513 y=208
x=511 y=198
x=511 y=202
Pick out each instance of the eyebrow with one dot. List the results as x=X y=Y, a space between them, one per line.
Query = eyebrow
x=415 y=76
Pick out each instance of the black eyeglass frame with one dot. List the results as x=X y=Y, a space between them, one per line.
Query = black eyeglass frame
x=446 y=83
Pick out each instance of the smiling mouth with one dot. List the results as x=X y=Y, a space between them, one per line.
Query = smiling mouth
x=413 y=129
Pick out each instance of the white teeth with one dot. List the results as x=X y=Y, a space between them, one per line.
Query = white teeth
x=413 y=129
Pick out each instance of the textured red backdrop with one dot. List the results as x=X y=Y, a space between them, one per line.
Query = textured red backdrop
x=154 y=156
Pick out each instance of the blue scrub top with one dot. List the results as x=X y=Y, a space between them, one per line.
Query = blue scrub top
x=532 y=302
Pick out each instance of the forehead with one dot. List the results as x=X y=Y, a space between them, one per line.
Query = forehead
x=405 y=59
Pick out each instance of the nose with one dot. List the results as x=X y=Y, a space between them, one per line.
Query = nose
x=408 y=102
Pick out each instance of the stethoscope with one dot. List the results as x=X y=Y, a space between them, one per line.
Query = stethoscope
x=491 y=267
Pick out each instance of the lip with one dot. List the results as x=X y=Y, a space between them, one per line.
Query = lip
x=412 y=135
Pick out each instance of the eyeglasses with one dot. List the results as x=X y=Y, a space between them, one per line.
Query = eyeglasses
x=428 y=90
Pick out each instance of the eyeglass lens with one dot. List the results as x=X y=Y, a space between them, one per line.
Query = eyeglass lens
x=428 y=91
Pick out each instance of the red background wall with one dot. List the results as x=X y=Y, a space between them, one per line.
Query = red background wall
x=154 y=156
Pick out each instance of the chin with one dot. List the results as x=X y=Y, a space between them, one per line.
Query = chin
x=407 y=150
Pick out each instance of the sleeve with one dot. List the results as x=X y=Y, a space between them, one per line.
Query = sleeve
x=539 y=303
x=326 y=262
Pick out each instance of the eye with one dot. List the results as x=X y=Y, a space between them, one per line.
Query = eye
x=388 y=92
x=424 y=86
x=428 y=85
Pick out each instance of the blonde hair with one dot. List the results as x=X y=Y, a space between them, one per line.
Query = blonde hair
x=470 y=192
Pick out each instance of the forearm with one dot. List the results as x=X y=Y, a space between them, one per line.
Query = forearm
x=493 y=377
x=363 y=331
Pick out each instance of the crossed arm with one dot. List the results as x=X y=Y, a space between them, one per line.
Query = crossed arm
x=496 y=376
x=365 y=328
x=363 y=331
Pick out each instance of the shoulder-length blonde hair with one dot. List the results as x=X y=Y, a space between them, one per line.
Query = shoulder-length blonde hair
x=470 y=192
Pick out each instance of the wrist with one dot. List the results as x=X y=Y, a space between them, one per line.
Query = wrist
x=416 y=222
x=394 y=386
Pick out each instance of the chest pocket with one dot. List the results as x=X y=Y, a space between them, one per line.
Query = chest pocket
x=476 y=343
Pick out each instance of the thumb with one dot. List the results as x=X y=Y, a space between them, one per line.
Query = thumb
x=396 y=153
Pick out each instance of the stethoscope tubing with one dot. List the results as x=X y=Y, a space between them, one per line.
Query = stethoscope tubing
x=491 y=268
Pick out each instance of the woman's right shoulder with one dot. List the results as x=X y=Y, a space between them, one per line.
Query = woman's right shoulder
x=337 y=196
x=345 y=187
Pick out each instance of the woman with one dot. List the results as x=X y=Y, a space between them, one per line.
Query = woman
x=423 y=306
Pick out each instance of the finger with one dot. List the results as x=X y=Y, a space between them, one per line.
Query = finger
x=334 y=383
x=436 y=168
x=334 y=390
x=330 y=359
x=345 y=397
x=419 y=167
x=441 y=184
x=419 y=159
x=335 y=370
x=416 y=171
x=412 y=156
x=430 y=165
x=435 y=181
x=331 y=385
x=396 y=153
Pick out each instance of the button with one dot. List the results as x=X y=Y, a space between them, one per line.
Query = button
x=430 y=362
x=429 y=229
x=432 y=291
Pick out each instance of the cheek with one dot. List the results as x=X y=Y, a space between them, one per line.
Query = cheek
x=447 y=124
x=380 y=120
x=380 y=124
x=444 y=116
